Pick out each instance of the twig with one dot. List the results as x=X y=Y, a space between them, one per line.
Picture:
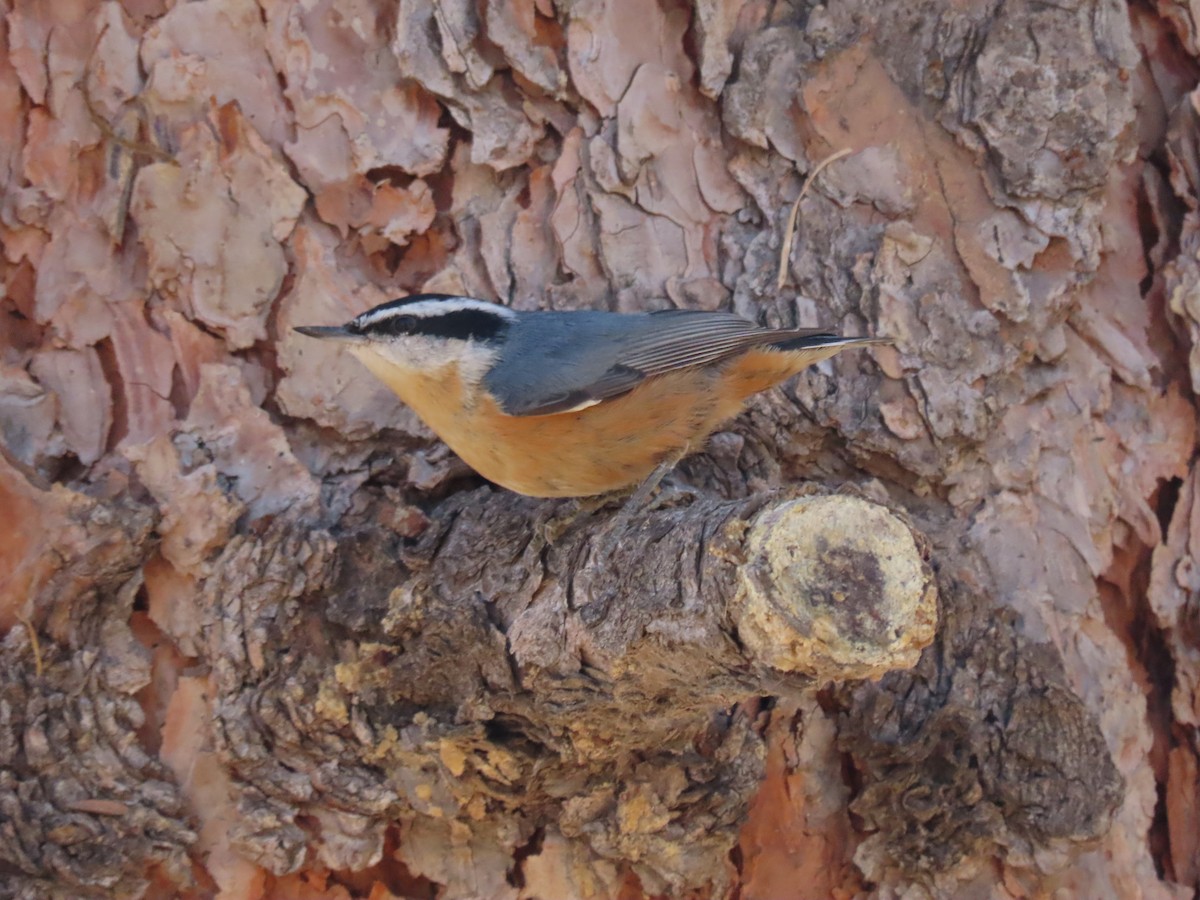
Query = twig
x=134 y=146
x=34 y=644
x=790 y=231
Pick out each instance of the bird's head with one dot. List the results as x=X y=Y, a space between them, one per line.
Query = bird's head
x=423 y=333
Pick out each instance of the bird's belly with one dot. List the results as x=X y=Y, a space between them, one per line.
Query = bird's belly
x=606 y=447
x=579 y=454
x=572 y=466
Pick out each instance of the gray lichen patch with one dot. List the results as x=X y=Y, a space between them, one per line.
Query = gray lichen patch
x=979 y=751
x=836 y=587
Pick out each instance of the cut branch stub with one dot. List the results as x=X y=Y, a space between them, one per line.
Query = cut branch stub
x=584 y=685
x=581 y=684
x=836 y=587
x=621 y=640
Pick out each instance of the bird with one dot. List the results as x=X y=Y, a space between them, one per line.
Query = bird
x=574 y=403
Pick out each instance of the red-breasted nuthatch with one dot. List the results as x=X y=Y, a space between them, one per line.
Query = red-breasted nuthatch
x=572 y=404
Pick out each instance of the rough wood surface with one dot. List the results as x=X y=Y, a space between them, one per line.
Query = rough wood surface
x=263 y=637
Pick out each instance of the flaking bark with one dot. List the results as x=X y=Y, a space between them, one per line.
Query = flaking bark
x=286 y=644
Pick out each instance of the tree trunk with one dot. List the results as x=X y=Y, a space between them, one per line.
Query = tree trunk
x=927 y=624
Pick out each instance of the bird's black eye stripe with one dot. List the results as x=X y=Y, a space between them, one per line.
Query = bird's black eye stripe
x=389 y=327
x=463 y=324
x=459 y=324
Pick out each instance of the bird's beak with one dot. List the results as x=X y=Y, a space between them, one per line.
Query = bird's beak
x=339 y=332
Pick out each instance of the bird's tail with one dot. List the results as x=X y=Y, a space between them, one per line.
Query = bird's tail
x=833 y=342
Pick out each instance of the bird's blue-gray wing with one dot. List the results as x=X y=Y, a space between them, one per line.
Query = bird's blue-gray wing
x=558 y=362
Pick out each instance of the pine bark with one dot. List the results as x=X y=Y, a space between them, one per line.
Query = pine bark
x=925 y=623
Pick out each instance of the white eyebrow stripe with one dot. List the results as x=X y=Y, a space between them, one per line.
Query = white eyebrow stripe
x=426 y=308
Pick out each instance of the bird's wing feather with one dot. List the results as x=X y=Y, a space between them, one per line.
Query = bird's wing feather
x=655 y=344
